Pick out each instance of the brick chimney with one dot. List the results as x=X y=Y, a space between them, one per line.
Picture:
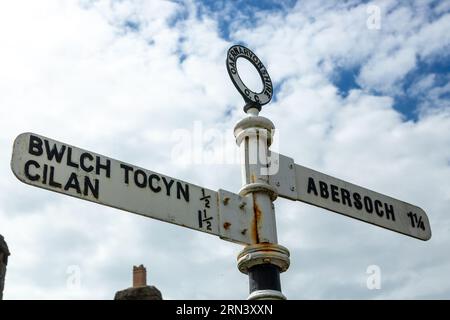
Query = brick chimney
x=140 y=290
x=139 y=276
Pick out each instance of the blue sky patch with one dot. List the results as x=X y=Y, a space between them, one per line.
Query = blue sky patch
x=408 y=102
x=228 y=10
x=345 y=80
x=131 y=25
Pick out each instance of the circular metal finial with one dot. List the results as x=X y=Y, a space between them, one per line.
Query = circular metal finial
x=252 y=99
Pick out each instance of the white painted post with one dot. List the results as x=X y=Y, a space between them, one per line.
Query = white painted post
x=264 y=259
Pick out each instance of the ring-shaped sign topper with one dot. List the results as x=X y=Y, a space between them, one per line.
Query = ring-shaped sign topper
x=252 y=99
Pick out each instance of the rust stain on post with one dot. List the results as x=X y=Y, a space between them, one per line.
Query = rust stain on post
x=256 y=219
x=226 y=225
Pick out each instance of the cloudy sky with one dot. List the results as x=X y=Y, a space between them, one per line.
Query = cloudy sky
x=361 y=93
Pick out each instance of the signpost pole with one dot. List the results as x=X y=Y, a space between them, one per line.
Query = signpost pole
x=264 y=259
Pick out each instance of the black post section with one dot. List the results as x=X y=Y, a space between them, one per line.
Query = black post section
x=264 y=277
x=250 y=105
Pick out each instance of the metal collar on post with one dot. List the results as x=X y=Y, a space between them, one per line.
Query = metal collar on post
x=263 y=253
x=251 y=188
x=254 y=125
x=263 y=263
x=266 y=295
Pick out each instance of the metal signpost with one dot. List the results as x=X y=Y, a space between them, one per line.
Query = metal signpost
x=246 y=218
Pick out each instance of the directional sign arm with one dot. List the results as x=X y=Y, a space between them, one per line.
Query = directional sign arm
x=59 y=167
x=297 y=182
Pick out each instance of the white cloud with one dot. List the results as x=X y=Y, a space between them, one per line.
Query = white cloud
x=384 y=72
x=76 y=73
